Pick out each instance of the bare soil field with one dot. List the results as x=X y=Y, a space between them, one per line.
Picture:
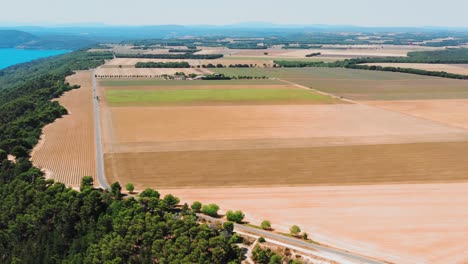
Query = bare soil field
x=340 y=165
x=451 y=68
x=207 y=123
x=452 y=112
x=145 y=72
x=67 y=148
x=417 y=223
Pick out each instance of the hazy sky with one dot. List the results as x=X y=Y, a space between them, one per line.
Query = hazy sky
x=221 y=12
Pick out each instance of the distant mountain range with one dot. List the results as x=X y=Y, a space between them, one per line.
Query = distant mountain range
x=25 y=40
x=75 y=36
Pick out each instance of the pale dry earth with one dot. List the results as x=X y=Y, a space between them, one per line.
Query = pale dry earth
x=452 y=112
x=405 y=223
x=66 y=151
x=183 y=123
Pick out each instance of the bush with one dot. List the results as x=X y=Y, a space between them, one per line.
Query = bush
x=130 y=187
x=228 y=226
x=295 y=230
x=236 y=216
x=266 y=225
x=149 y=193
x=261 y=240
x=196 y=206
x=210 y=209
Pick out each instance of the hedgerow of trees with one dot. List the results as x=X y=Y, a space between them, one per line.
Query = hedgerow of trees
x=183 y=56
x=182 y=64
x=444 y=56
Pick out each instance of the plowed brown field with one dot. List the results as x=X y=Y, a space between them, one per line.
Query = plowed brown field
x=67 y=148
x=341 y=165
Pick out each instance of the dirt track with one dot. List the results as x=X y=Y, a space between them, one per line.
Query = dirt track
x=422 y=223
x=67 y=150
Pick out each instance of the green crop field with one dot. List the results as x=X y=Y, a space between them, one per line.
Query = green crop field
x=364 y=85
x=165 y=97
x=159 y=82
x=272 y=58
x=319 y=73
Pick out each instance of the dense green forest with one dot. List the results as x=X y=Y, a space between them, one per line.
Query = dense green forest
x=45 y=222
x=182 y=64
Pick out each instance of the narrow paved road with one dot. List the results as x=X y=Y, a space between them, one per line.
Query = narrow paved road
x=101 y=177
x=297 y=242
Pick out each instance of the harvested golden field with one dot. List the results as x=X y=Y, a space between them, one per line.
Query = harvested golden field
x=66 y=151
x=145 y=72
x=452 y=112
x=401 y=223
x=340 y=165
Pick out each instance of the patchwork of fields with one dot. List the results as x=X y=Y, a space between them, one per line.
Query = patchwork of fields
x=368 y=85
x=266 y=145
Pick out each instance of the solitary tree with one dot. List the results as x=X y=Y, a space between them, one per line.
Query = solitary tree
x=130 y=187
x=305 y=236
x=116 y=190
x=295 y=230
x=196 y=206
x=266 y=225
x=210 y=209
x=86 y=182
x=236 y=216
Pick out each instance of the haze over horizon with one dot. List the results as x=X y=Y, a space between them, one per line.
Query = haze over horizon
x=397 y=13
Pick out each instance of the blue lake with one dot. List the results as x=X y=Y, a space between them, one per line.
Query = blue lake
x=10 y=57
